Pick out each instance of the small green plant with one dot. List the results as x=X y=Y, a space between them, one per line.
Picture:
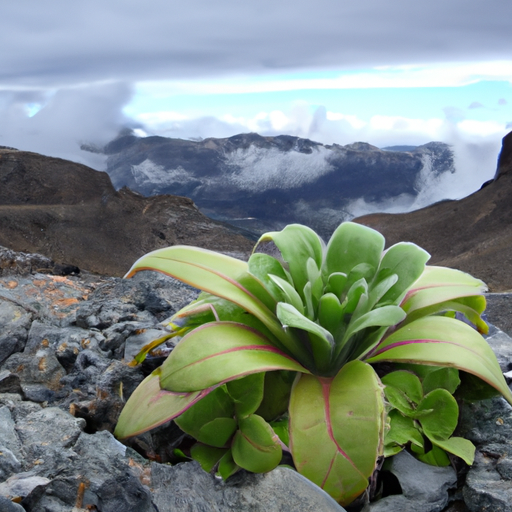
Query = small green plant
x=282 y=353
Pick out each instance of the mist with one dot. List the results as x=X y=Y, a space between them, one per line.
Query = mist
x=56 y=123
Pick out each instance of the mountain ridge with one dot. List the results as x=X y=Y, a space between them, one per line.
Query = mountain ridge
x=473 y=234
x=264 y=183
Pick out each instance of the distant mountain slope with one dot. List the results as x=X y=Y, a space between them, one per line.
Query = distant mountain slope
x=266 y=182
x=74 y=215
x=473 y=234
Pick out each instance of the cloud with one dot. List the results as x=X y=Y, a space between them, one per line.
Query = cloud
x=502 y=101
x=77 y=42
x=64 y=119
x=475 y=104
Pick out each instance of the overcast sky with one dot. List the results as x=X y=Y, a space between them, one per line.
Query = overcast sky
x=385 y=72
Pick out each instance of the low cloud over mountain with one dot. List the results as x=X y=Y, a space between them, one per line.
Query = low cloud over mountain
x=266 y=182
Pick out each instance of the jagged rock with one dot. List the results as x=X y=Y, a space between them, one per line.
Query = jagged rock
x=186 y=488
x=424 y=488
x=62 y=391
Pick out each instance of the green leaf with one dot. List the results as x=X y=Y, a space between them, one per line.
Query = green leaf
x=207 y=456
x=458 y=446
x=247 y=393
x=216 y=273
x=403 y=430
x=407 y=261
x=217 y=432
x=330 y=313
x=210 y=416
x=399 y=400
x=219 y=352
x=276 y=396
x=355 y=292
x=227 y=466
x=337 y=428
x=350 y=245
x=336 y=283
x=290 y=294
x=442 y=341
x=380 y=317
x=255 y=446
x=262 y=265
x=322 y=341
x=440 y=284
x=446 y=378
x=442 y=420
x=407 y=382
x=150 y=406
x=297 y=244
x=435 y=457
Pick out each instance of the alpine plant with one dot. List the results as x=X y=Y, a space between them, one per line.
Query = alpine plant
x=339 y=354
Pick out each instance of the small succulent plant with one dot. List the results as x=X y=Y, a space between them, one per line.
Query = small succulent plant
x=284 y=352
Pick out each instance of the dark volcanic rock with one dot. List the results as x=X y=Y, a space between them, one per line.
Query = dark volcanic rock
x=73 y=215
x=266 y=182
x=65 y=382
x=473 y=234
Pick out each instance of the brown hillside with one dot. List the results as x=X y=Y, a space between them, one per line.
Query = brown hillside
x=73 y=214
x=473 y=234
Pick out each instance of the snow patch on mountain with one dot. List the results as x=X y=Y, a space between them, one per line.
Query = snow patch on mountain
x=259 y=169
x=149 y=174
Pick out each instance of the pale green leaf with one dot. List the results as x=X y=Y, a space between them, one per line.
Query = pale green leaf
x=442 y=341
x=150 y=406
x=297 y=244
x=219 y=352
x=337 y=429
x=256 y=447
x=350 y=245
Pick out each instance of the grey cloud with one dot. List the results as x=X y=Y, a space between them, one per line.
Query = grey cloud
x=89 y=114
x=61 y=42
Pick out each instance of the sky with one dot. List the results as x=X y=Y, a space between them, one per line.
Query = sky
x=388 y=73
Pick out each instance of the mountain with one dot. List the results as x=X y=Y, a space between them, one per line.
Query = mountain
x=74 y=215
x=473 y=234
x=265 y=183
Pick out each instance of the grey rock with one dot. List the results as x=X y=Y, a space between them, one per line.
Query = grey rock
x=501 y=344
x=10 y=383
x=39 y=374
x=50 y=427
x=7 y=505
x=489 y=481
x=21 y=485
x=135 y=342
x=424 y=488
x=186 y=488
x=15 y=321
x=10 y=446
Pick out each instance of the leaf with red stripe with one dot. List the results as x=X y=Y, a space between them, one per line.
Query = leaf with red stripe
x=150 y=406
x=337 y=428
x=443 y=341
x=219 y=352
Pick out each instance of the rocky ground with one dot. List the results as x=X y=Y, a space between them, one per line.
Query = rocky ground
x=64 y=343
x=73 y=215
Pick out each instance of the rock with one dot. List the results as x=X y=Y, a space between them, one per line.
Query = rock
x=186 y=487
x=65 y=383
x=72 y=215
x=488 y=424
x=424 y=488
